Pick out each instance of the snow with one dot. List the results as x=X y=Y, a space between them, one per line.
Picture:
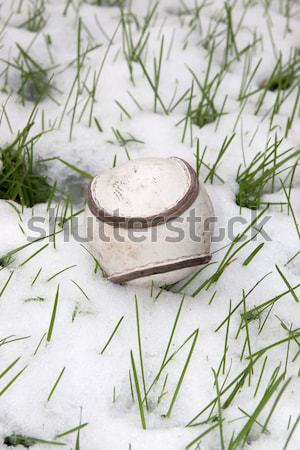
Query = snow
x=89 y=379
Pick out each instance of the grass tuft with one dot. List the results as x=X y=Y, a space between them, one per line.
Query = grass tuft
x=283 y=75
x=15 y=440
x=18 y=439
x=261 y=173
x=35 y=80
x=19 y=180
x=36 y=16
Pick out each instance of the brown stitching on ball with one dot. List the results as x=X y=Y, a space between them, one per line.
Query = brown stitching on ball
x=145 y=222
x=158 y=269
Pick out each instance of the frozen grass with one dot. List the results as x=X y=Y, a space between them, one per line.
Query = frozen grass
x=36 y=16
x=264 y=171
x=212 y=361
x=20 y=180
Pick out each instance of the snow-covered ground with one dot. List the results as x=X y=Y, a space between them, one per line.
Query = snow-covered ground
x=95 y=388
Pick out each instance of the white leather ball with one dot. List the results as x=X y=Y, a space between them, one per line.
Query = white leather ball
x=140 y=219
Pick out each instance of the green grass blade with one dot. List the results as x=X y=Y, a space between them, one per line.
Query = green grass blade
x=112 y=335
x=53 y=315
x=194 y=441
x=138 y=327
x=6 y=284
x=72 y=430
x=291 y=433
x=196 y=332
x=9 y=367
x=138 y=392
x=288 y=285
x=12 y=381
x=55 y=384
x=61 y=271
x=33 y=255
x=253 y=254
